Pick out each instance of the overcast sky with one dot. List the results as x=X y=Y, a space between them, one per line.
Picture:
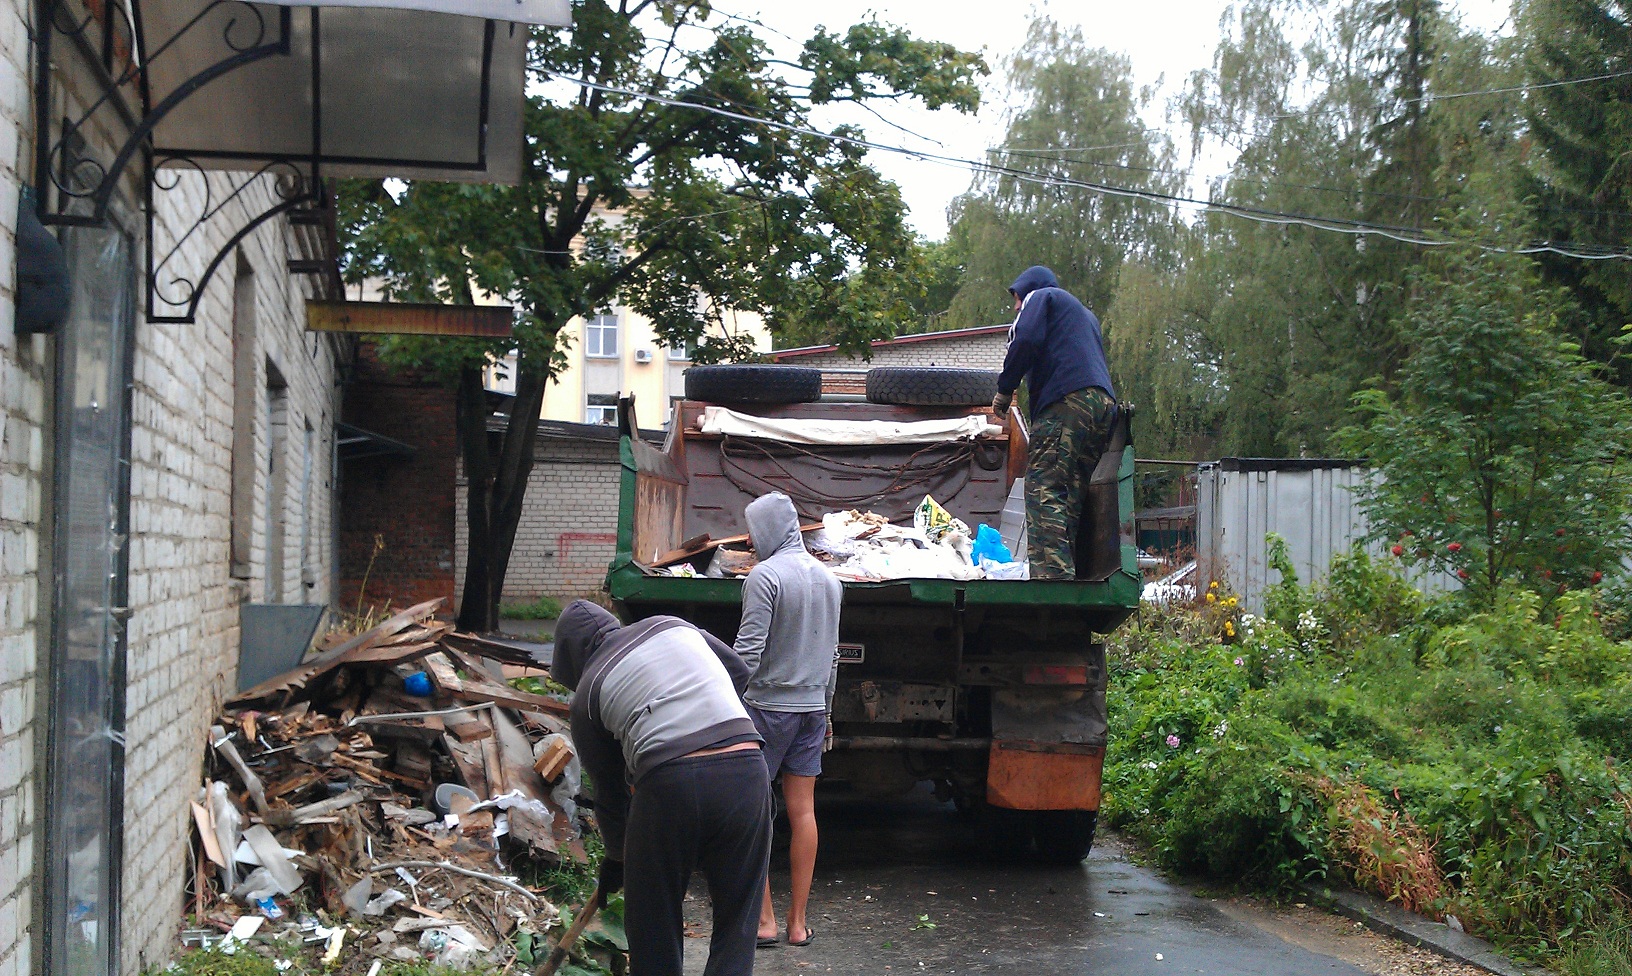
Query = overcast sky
x=1165 y=39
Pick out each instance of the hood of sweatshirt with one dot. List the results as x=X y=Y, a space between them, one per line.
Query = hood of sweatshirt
x=580 y=635
x=773 y=525
x=1031 y=279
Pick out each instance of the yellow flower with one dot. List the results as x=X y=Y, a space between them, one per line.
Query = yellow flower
x=1212 y=598
x=1231 y=602
x=1213 y=585
x=1229 y=628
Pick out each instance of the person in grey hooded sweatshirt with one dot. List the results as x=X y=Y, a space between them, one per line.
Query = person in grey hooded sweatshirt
x=679 y=781
x=789 y=637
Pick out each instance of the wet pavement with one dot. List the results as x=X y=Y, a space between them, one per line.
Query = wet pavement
x=910 y=887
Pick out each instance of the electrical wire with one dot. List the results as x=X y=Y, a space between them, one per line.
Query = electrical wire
x=1341 y=225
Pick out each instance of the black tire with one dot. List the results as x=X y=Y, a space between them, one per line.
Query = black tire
x=742 y=383
x=931 y=386
x=1063 y=836
x=1007 y=832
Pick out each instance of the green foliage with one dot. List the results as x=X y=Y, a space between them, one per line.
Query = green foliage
x=543 y=608
x=1468 y=761
x=1503 y=455
x=1079 y=119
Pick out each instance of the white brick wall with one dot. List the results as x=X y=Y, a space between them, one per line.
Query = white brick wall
x=970 y=352
x=183 y=635
x=569 y=522
x=183 y=644
x=22 y=464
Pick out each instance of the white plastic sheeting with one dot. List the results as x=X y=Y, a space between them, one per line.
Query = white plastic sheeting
x=722 y=420
x=1310 y=503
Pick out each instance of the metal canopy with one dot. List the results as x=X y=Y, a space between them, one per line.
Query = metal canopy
x=280 y=89
x=362 y=91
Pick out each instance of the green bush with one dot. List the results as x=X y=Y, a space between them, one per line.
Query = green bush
x=1459 y=757
x=543 y=608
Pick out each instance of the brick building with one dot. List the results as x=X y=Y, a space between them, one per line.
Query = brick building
x=569 y=526
x=168 y=424
x=400 y=453
x=978 y=348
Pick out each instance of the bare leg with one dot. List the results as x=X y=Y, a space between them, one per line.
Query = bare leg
x=800 y=794
x=767 y=914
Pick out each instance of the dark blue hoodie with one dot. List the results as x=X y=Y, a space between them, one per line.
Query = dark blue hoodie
x=1054 y=345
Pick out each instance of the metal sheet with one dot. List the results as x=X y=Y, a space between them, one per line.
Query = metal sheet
x=273 y=637
x=1019 y=778
x=547 y=13
x=1314 y=508
x=368 y=108
x=392 y=318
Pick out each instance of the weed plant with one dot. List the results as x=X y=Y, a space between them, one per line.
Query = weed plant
x=1461 y=760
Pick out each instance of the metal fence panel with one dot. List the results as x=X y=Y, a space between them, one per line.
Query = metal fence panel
x=1311 y=503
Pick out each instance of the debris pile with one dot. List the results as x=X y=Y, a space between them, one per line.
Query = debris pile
x=375 y=798
x=866 y=547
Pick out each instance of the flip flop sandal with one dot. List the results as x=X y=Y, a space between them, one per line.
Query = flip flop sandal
x=768 y=942
x=810 y=933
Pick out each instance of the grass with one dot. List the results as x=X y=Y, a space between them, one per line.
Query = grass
x=543 y=608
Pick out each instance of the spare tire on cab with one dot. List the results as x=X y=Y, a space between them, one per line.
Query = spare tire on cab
x=931 y=386
x=749 y=383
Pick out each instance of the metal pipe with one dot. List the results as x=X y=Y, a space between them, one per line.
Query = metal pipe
x=887 y=743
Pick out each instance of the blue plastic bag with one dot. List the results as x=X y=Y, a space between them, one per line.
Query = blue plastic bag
x=989 y=545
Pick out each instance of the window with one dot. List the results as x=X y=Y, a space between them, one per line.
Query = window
x=601 y=336
x=683 y=353
x=601 y=408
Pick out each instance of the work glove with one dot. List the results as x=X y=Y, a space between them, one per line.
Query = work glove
x=611 y=877
x=827 y=740
x=1001 y=402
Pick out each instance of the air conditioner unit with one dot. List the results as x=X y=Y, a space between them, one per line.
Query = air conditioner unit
x=643 y=355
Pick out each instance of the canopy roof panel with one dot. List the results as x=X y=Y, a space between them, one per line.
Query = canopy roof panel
x=369 y=89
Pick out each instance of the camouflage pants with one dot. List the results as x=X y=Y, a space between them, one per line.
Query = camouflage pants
x=1067 y=439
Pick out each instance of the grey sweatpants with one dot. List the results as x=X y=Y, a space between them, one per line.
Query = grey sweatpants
x=710 y=814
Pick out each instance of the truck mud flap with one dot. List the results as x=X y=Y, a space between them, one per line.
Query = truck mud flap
x=1044 y=775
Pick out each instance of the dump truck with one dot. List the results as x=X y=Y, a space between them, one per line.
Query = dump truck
x=992 y=690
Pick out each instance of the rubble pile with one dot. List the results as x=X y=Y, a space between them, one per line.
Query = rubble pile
x=866 y=547
x=375 y=798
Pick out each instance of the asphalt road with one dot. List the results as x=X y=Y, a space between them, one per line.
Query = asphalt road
x=909 y=887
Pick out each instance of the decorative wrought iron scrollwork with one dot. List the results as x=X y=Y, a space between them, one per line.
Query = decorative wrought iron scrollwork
x=83 y=185
x=173 y=291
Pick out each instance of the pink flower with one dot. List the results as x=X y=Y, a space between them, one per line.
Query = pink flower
x=1172 y=742
x=1240 y=662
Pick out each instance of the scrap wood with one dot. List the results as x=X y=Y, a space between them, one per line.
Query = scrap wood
x=478 y=686
x=692 y=548
x=470 y=729
x=515 y=652
x=302 y=675
x=552 y=761
x=505 y=882
x=206 y=833
x=307 y=813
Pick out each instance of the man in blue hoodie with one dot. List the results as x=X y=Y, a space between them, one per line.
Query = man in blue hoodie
x=1056 y=348
x=789 y=639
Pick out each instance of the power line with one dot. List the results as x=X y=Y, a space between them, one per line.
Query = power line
x=1333 y=224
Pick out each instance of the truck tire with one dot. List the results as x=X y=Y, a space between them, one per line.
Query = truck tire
x=1063 y=836
x=931 y=386
x=746 y=383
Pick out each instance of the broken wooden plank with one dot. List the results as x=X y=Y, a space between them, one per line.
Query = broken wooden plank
x=691 y=549
x=302 y=675
x=223 y=745
x=552 y=761
x=467 y=761
x=471 y=729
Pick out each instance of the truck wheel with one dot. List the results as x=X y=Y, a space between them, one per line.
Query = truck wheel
x=1063 y=836
x=931 y=386
x=746 y=383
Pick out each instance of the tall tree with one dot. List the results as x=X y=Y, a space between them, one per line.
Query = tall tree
x=654 y=203
x=1581 y=180
x=1079 y=120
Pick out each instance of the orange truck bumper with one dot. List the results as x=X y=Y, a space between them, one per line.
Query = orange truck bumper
x=1025 y=775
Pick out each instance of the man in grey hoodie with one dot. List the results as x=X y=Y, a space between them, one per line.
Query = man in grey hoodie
x=679 y=781
x=789 y=638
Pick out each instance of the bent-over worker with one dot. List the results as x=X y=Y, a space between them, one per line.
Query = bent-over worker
x=789 y=637
x=656 y=714
x=1056 y=347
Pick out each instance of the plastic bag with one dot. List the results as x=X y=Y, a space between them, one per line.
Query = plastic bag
x=930 y=518
x=1005 y=571
x=989 y=545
